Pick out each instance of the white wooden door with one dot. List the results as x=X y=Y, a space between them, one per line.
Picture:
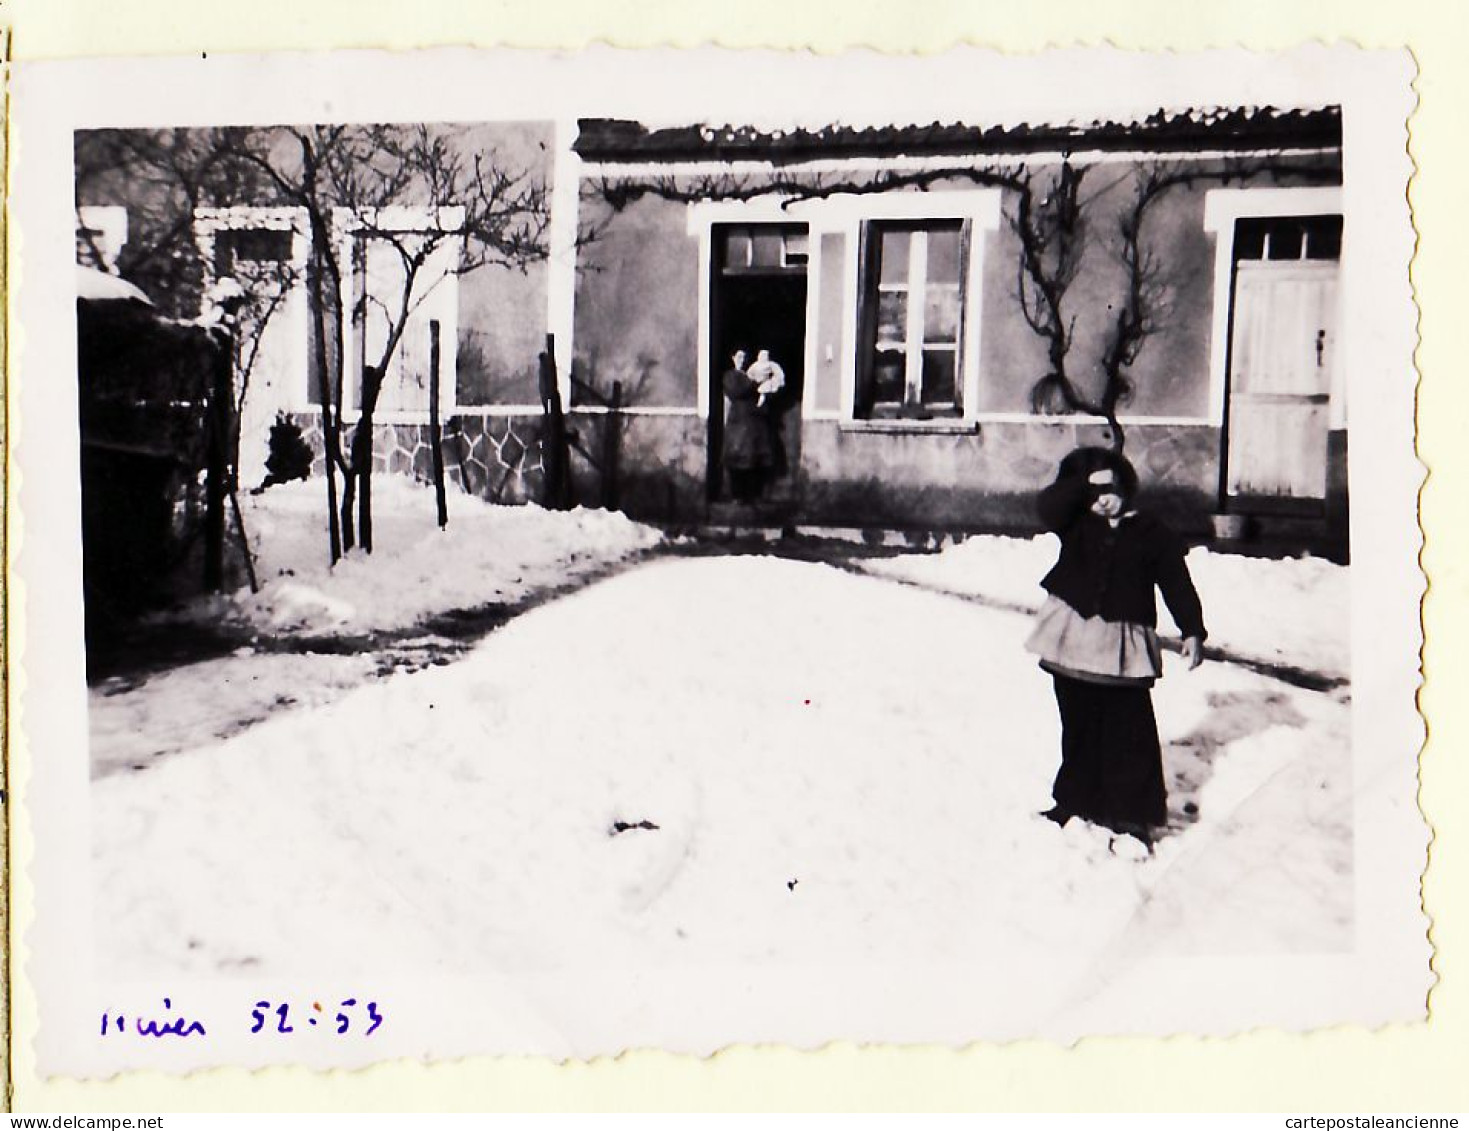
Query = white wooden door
x=1280 y=378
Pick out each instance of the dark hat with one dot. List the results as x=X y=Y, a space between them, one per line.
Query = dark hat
x=1081 y=462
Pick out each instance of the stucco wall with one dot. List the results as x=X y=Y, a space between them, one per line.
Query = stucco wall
x=637 y=305
x=830 y=328
x=502 y=330
x=660 y=465
x=502 y=310
x=986 y=479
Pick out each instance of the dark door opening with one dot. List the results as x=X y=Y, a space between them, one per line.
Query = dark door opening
x=758 y=301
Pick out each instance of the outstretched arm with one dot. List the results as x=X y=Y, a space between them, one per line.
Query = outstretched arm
x=1181 y=597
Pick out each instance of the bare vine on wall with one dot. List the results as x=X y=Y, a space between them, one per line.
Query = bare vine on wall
x=1059 y=216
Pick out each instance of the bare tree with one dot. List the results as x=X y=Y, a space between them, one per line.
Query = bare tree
x=349 y=180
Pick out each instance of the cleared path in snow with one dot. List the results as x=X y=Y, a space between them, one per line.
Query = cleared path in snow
x=840 y=771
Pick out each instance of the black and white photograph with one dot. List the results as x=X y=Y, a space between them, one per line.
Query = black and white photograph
x=565 y=554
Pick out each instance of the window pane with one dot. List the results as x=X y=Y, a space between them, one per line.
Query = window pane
x=796 y=248
x=893 y=253
x=892 y=316
x=236 y=248
x=261 y=244
x=737 y=247
x=1323 y=238
x=407 y=384
x=938 y=376
x=1249 y=240
x=1285 y=239
x=888 y=378
x=941 y=313
x=766 y=248
x=943 y=254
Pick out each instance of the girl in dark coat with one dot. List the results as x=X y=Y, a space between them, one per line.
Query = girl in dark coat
x=749 y=452
x=1096 y=636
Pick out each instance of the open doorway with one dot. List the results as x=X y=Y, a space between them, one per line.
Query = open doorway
x=758 y=302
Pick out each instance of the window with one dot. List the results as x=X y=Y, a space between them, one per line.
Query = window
x=1288 y=238
x=236 y=248
x=422 y=311
x=762 y=249
x=912 y=324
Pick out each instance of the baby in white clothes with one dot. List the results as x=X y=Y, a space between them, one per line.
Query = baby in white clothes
x=767 y=375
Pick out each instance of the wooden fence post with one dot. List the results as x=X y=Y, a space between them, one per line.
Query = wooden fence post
x=611 y=448
x=554 y=442
x=216 y=476
x=435 y=438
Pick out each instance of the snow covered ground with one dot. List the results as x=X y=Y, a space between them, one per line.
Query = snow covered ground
x=1291 y=612
x=835 y=768
x=729 y=762
x=487 y=555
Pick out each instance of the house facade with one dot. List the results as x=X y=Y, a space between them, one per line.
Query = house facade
x=884 y=270
x=896 y=313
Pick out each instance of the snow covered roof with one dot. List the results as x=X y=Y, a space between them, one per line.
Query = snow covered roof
x=1180 y=132
x=98 y=286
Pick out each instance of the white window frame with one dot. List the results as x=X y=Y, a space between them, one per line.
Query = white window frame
x=209 y=222
x=347 y=224
x=1222 y=207
x=980 y=209
x=914 y=339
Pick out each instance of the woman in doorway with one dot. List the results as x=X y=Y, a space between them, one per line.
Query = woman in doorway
x=748 y=451
x=1096 y=636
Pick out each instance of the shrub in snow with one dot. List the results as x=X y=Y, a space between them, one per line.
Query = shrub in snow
x=290 y=455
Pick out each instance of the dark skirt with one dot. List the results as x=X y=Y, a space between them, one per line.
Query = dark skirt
x=1111 y=761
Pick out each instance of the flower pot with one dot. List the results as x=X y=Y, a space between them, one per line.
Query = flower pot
x=1230 y=527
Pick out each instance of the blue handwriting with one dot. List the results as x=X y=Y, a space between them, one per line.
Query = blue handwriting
x=349 y=1011
x=152 y=1027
